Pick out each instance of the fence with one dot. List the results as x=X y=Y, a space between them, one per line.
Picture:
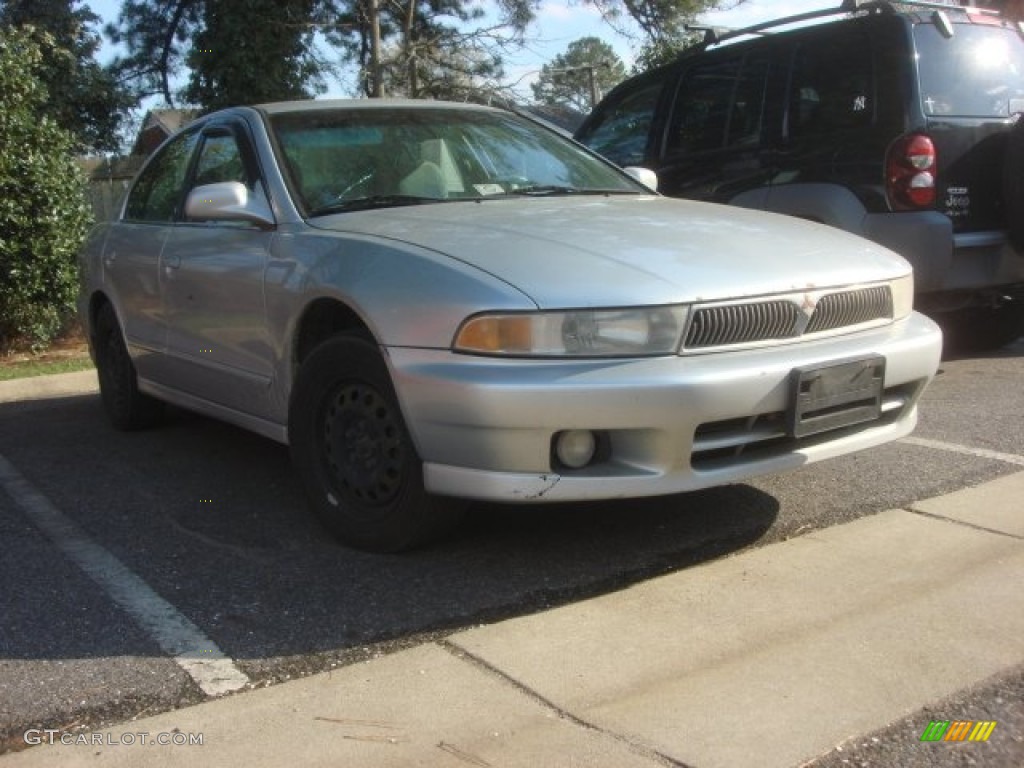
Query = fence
x=108 y=180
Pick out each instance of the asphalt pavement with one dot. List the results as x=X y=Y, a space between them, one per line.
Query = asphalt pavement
x=836 y=647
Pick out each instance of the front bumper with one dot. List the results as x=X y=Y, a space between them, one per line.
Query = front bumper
x=484 y=426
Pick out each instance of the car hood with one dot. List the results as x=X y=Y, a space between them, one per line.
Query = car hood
x=630 y=249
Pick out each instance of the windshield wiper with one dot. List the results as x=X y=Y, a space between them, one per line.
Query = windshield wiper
x=373 y=201
x=543 y=190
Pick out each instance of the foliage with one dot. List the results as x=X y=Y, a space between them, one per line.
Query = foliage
x=84 y=97
x=157 y=37
x=235 y=51
x=662 y=25
x=569 y=78
x=662 y=51
x=234 y=61
x=433 y=48
x=44 y=211
x=429 y=47
x=243 y=51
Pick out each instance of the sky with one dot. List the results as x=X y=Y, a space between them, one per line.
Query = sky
x=558 y=23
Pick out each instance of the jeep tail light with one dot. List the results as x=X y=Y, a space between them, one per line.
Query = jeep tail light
x=910 y=173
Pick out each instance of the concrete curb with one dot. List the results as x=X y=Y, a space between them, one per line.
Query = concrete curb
x=770 y=657
x=44 y=387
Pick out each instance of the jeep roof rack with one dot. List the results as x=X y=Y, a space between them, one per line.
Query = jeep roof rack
x=715 y=35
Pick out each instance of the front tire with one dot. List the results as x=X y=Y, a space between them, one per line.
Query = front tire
x=126 y=407
x=350 y=446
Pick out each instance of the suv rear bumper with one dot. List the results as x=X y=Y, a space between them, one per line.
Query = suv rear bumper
x=944 y=262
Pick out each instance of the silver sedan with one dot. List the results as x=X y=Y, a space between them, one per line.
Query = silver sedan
x=431 y=303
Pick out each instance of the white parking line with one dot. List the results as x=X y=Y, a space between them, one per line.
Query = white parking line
x=213 y=671
x=982 y=453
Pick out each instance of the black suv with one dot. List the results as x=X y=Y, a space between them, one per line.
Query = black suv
x=889 y=120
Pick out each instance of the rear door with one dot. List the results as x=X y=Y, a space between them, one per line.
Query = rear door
x=131 y=257
x=970 y=84
x=831 y=132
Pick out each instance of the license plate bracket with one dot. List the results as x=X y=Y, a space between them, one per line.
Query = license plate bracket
x=835 y=395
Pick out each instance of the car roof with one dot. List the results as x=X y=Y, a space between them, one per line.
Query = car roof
x=870 y=11
x=315 y=105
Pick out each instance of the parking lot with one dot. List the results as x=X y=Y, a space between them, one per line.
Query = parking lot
x=207 y=523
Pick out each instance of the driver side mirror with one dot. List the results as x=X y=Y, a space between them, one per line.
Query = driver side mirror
x=645 y=176
x=228 y=201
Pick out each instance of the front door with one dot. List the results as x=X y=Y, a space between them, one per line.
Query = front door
x=218 y=346
x=716 y=143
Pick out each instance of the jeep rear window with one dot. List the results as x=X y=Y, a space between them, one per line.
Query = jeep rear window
x=975 y=73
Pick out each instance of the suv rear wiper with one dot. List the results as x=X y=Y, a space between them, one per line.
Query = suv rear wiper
x=373 y=201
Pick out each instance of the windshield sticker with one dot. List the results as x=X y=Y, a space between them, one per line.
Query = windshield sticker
x=489 y=189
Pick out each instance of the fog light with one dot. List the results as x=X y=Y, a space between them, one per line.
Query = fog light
x=575 y=447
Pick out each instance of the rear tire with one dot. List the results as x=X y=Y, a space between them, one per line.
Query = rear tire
x=126 y=407
x=982 y=329
x=350 y=446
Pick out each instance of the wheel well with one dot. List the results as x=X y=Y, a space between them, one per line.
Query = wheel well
x=323 y=319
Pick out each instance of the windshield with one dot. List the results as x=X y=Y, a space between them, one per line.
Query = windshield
x=975 y=73
x=353 y=159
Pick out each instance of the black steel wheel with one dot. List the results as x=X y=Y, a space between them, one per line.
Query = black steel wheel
x=350 y=445
x=362 y=445
x=126 y=407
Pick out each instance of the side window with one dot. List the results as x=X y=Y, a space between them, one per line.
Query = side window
x=704 y=107
x=747 y=110
x=157 y=192
x=830 y=91
x=220 y=159
x=621 y=132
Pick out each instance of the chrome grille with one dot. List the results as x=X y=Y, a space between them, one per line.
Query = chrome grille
x=839 y=310
x=782 y=318
x=742 y=324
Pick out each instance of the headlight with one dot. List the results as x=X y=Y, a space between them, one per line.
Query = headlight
x=902 y=296
x=574 y=333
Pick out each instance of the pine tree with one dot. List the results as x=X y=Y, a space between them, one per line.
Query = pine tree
x=578 y=77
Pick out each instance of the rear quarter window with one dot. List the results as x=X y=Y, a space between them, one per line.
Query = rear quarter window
x=976 y=73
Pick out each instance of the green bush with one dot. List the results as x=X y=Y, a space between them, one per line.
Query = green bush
x=44 y=208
